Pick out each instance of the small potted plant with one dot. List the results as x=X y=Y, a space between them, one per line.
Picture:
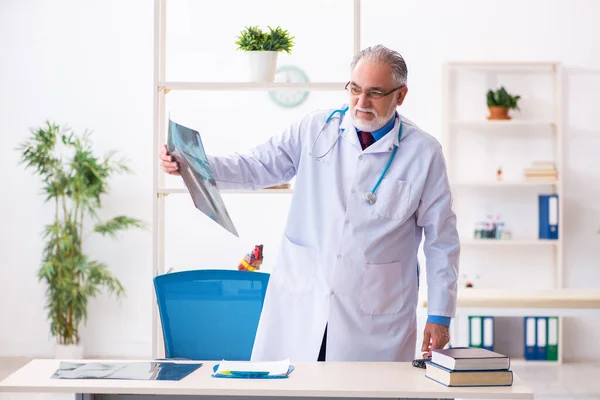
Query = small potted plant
x=262 y=48
x=500 y=102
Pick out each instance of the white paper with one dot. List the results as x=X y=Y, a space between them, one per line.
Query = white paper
x=272 y=367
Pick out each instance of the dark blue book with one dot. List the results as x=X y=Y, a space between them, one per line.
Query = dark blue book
x=469 y=359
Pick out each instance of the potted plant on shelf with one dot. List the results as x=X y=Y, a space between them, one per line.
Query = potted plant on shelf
x=261 y=49
x=500 y=102
x=74 y=179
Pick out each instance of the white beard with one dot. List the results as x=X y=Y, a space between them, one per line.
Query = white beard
x=376 y=123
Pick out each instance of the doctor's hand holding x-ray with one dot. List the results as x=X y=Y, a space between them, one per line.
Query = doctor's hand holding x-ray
x=370 y=184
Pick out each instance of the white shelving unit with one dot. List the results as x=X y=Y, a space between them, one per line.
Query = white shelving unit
x=547 y=127
x=161 y=89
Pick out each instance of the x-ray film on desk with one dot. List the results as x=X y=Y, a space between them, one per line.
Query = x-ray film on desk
x=144 y=370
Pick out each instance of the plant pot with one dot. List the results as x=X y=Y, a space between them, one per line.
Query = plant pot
x=498 y=112
x=68 y=351
x=261 y=65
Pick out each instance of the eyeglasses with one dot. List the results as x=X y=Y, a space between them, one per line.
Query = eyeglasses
x=374 y=94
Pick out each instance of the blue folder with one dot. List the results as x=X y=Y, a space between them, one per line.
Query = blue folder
x=250 y=374
x=548 y=216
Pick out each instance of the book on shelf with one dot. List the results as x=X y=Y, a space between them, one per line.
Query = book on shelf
x=541 y=170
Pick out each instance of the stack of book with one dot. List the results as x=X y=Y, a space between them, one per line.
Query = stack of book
x=541 y=171
x=469 y=366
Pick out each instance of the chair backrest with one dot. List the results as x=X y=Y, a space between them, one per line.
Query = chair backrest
x=210 y=314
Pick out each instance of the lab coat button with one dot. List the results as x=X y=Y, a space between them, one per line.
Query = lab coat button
x=332 y=293
x=360 y=157
x=339 y=256
x=347 y=222
x=353 y=191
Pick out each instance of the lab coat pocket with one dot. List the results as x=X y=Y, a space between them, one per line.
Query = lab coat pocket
x=296 y=267
x=382 y=289
x=393 y=199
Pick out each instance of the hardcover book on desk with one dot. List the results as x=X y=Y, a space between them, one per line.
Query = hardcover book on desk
x=455 y=378
x=468 y=366
x=469 y=358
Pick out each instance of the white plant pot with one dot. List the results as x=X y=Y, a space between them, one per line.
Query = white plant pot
x=68 y=351
x=261 y=65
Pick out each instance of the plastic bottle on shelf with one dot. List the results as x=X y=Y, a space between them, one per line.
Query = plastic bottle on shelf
x=500 y=230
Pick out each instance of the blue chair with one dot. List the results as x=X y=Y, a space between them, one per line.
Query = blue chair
x=210 y=314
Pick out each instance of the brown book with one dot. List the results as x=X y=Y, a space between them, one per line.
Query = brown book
x=451 y=378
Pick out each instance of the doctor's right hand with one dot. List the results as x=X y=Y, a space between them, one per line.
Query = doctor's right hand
x=166 y=162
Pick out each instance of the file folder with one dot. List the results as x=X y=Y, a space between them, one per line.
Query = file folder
x=541 y=334
x=253 y=370
x=475 y=331
x=548 y=216
x=530 y=338
x=552 y=342
x=488 y=333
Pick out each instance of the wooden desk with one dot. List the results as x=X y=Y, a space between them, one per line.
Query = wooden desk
x=309 y=380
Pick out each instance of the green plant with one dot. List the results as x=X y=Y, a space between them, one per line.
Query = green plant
x=74 y=180
x=501 y=98
x=252 y=38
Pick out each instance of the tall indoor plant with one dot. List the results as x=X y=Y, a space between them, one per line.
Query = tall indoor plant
x=74 y=179
x=261 y=50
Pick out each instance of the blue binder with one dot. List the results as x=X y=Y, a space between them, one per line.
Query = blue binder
x=488 y=333
x=548 y=216
x=542 y=335
x=530 y=338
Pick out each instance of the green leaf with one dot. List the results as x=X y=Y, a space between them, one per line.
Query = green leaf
x=111 y=227
x=501 y=98
x=252 y=38
x=75 y=180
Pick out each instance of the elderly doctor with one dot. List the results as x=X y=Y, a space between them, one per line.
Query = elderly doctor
x=369 y=183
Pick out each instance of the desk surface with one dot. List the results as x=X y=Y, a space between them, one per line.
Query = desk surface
x=330 y=379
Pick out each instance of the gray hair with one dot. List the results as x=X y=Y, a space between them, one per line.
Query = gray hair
x=382 y=54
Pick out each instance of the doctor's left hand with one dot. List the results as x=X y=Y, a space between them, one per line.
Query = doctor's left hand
x=435 y=336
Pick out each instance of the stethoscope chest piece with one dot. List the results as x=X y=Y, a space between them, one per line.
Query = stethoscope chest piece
x=370 y=197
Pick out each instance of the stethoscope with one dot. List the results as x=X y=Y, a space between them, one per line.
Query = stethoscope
x=370 y=197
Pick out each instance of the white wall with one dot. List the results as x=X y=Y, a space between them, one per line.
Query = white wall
x=89 y=65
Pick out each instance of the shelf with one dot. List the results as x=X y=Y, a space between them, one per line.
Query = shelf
x=519 y=298
x=503 y=64
x=509 y=242
x=504 y=183
x=247 y=86
x=502 y=123
x=229 y=191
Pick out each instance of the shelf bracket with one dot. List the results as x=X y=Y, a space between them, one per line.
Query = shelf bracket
x=158 y=195
x=164 y=89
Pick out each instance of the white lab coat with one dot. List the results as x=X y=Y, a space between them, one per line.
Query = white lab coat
x=343 y=262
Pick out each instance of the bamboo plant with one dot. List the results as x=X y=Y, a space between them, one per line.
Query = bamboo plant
x=74 y=179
